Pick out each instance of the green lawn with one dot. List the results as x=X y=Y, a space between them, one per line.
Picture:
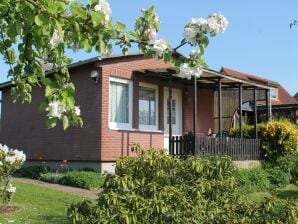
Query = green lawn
x=289 y=192
x=38 y=205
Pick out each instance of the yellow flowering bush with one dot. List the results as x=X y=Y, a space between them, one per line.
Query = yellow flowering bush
x=279 y=138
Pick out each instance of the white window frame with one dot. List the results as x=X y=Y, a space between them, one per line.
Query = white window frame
x=117 y=125
x=276 y=93
x=150 y=127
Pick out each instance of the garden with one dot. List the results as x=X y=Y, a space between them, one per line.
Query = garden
x=162 y=188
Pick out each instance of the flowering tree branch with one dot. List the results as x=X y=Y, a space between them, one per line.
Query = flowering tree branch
x=35 y=33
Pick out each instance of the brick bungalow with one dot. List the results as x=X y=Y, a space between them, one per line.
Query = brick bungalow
x=123 y=101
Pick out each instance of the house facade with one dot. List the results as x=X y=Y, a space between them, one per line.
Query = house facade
x=120 y=109
x=123 y=100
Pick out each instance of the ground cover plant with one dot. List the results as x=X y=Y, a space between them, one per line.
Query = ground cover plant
x=88 y=179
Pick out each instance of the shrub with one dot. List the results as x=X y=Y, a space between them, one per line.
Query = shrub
x=277 y=177
x=51 y=177
x=253 y=180
x=83 y=179
x=279 y=138
x=289 y=164
x=156 y=188
x=10 y=161
x=33 y=172
x=248 y=132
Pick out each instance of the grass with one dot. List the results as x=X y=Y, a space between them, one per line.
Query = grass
x=289 y=192
x=36 y=204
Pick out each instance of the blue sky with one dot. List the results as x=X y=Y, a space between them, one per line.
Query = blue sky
x=258 y=39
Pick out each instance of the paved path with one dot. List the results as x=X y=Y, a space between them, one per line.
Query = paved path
x=72 y=190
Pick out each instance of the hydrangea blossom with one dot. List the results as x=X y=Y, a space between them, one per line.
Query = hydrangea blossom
x=4 y=148
x=104 y=7
x=14 y=156
x=11 y=189
x=160 y=46
x=56 y=109
x=186 y=71
x=56 y=39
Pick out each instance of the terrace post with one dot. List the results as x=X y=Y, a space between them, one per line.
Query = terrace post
x=240 y=110
x=256 y=113
x=220 y=107
x=195 y=112
x=267 y=105
x=170 y=111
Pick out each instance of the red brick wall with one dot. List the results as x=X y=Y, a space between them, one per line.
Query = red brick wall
x=116 y=143
x=24 y=127
x=96 y=141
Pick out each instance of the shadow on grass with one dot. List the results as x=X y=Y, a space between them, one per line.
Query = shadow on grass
x=52 y=219
x=287 y=194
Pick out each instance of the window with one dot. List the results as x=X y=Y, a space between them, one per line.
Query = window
x=148 y=106
x=120 y=103
x=274 y=93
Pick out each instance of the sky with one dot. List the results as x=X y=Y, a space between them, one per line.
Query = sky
x=257 y=41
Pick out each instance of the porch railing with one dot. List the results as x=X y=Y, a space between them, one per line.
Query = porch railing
x=238 y=149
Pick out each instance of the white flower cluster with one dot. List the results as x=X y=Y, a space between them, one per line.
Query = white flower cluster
x=104 y=7
x=214 y=24
x=187 y=72
x=77 y=110
x=55 y=108
x=11 y=156
x=56 y=39
x=11 y=189
x=150 y=33
x=160 y=46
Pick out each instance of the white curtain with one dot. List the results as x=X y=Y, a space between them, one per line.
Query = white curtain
x=147 y=106
x=119 y=102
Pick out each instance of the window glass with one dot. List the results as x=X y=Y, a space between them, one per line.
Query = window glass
x=147 y=106
x=119 y=102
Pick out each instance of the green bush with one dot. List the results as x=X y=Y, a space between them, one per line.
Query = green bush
x=156 y=188
x=33 y=172
x=279 y=138
x=253 y=180
x=277 y=177
x=288 y=164
x=83 y=179
x=51 y=177
x=248 y=132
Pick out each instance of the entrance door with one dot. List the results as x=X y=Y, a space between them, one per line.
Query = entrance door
x=176 y=114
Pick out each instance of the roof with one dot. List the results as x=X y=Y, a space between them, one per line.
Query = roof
x=79 y=63
x=248 y=77
x=283 y=96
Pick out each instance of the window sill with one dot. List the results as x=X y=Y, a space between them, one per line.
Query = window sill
x=135 y=130
x=148 y=130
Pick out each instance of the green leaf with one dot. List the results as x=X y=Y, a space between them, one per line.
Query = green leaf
x=11 y=56
x=40 y=20
x=49 y=91
x=120 y=26
x=43 y=106
x=12 y=30
x=96 y=18
x=87 y=46
x=52 y=122
x=65 y=122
